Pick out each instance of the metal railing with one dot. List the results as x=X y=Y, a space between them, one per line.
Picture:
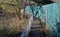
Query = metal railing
x=28 y=27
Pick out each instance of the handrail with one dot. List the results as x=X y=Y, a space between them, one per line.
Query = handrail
x=28 y=27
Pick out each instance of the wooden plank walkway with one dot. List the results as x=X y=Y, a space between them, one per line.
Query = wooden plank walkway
x=36 y=30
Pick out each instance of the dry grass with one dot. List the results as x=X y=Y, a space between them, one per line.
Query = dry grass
x=11 y=24
x=44 y=28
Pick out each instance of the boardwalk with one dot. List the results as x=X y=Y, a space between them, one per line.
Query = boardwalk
x=36 y=30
